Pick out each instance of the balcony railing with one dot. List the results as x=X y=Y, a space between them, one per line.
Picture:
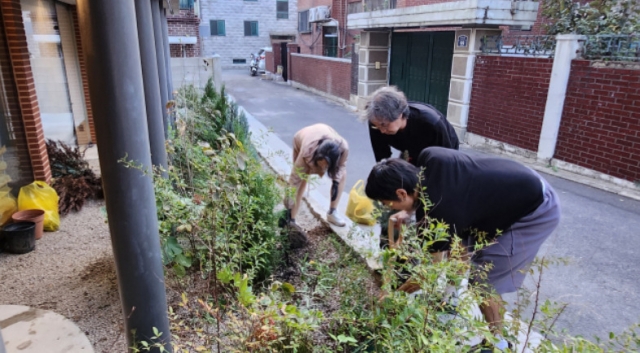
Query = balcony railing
x=370 y=5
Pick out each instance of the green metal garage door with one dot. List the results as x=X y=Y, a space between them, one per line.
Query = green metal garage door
x=421 y=66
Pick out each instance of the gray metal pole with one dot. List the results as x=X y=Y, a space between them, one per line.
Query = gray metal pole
x=112 y=51
x=167 y=51
x=162 y=69
x=151 y=83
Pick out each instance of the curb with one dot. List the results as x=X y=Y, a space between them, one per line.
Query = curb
x=276 y=154
x=362 y=239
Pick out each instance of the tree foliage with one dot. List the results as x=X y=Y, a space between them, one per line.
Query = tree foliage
x=596 y=17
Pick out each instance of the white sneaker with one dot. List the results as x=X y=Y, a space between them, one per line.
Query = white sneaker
x=334 y=219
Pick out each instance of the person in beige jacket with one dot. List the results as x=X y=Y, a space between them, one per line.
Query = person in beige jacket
x=318 y=149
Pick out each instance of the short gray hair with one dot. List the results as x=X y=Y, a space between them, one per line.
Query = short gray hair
x=386 y=104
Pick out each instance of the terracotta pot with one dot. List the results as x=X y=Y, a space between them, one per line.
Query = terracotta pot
x=35 y=216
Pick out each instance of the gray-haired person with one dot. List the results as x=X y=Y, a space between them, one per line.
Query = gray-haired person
x=406 y=126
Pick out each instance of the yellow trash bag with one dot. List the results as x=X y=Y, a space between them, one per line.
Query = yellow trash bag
x=360 y=207
x=8 y=205
x=40 y=196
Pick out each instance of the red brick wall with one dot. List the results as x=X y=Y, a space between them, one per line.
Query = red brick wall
x=600 y=126
x=184 y=23
x=327 y=75
x=17 y=143
x=83 y=73
x=277 y=55
x=508 y=98
x=268 y=62
x=26 y=88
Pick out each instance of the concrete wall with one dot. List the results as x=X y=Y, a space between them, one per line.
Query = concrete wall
x=235 y=45
x=329 y=75
x=600 y=127
x=196 y=71
x=508 y=99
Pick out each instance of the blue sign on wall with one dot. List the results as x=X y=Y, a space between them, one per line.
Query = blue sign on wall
x=463 y=41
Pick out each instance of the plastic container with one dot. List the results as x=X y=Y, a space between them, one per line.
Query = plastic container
x=18 y=238
x=35 y=216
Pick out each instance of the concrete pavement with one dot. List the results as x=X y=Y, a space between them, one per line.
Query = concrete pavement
x=599 y=232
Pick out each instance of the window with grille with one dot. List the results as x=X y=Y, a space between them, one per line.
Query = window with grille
x=239 y=61
x=217 y=28
x=303 y=22
x=251 y=28
x=186 y=4
x=282 y=9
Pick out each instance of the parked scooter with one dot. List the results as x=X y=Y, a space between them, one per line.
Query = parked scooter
x=256 y=65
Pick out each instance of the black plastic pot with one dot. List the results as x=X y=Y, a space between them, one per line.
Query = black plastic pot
x=18 y=238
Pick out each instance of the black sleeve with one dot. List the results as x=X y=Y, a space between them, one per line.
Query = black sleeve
x=381 y=149
x=447 y=136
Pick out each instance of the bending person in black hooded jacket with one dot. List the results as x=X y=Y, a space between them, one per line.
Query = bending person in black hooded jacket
x=481 y=199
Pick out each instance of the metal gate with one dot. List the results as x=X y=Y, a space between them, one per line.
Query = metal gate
x=283 y=59
x=421 y=66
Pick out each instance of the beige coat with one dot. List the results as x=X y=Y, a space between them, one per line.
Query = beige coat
x=305 y=143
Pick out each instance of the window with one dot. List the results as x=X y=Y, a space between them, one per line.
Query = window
x=239 y=61
x=303 y=22
x=217 y=28
x=186 y=4
x=251 y=28
x=282 y=9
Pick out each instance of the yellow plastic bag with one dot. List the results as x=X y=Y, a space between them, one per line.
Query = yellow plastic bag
x=40 y=196
x=360 y=207
x=8 y=205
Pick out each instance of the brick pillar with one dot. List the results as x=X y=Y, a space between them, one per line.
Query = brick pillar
x=83 y=73
x=291 y=48
x=465 y=50
x=19 y=56
x=374 y=48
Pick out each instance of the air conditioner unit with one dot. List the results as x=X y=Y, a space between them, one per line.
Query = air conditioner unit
x=313 y=14
x=324 y=13
x=319 y=14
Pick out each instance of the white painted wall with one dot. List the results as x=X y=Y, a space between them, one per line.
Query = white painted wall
x=234 y=12
x=196 y=71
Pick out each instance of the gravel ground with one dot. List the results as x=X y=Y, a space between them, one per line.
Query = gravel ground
x=72 y=273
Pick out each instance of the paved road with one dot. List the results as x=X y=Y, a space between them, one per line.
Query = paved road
x=599 y=233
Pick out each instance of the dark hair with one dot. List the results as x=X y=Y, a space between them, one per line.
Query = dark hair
x=330 y=151
x=390 y=175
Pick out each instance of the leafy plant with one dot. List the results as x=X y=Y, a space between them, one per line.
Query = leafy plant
x=595 y=17
x=74 y=181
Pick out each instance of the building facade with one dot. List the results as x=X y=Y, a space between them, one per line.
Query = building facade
x=234 y=29
x=183 y=22
x=44 y=91
x=322 y=27
x=428 y=47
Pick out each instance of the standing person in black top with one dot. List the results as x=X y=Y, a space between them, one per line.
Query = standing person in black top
x=408 y=127
x=475 y=196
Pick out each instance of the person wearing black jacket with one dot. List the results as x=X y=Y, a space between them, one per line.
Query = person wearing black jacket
x=482 y=199
x=406 y=126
